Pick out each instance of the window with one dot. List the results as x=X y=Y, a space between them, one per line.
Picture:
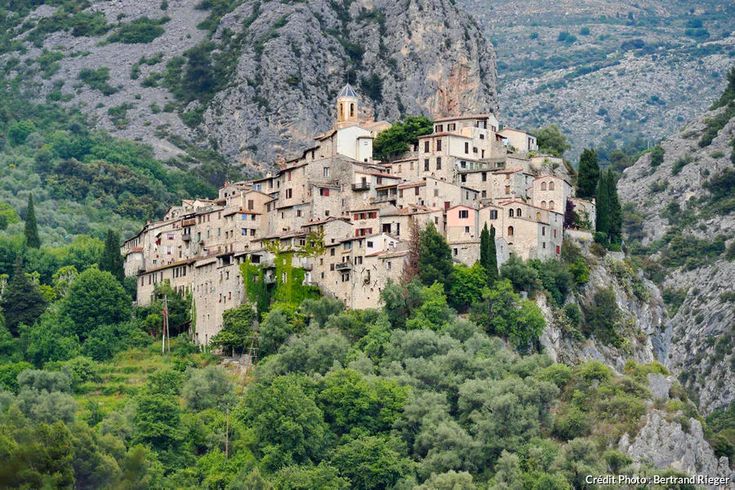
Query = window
x=543 y=186
x=464 y=178
x=298 y=213
x=345 y=277
x=438 y=163
x=244 y=232
x=331 y=267
x=484 y=194
x=426 y=164
x=426 y=146
x=511 y=213
x=325 y=171
x=554 y=233
x=551 y=204
x=466 y=147
x=518 y=212
x=466 y=229
x=543 y=204
x=484 y=176
x=493 y=214
x=386 y=228
x=352 y=110
x=438 y=145
x=507 y=189
x=543 y=231
x=455 y=252
x=252 y=231
x=436 y=192
x=331 y=251
x=543 y=245
x=439 y=128
x=416 y=191
x=324 y=192
x=464 y=214
x=370 y=244
x=251 y=204
x=474 y=149
x=451 y=127
x=551 y=186
x=289 y=193
x=510 y=231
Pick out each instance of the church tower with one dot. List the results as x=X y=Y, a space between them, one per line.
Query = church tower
x=346 y=106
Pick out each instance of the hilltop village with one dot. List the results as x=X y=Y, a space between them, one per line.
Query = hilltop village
x=348 y=218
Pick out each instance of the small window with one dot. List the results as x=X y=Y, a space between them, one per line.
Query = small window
x=510 y=231
x=466 y=229
x=438 y=145
x=493 y=214
x=551 y=204
x=325 y=171
x=551 y=186
x=543 y=204
x=324 y=192
x=426 y=164
x=518 y=212
x=511 y=213
x=464 y=214
x=466 y=147
x=426 y=146
x=438 y=163
x=370 y=244
x=484 y=176
x=543 y=186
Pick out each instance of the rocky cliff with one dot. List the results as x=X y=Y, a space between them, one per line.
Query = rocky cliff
x=252 y=79
x=681 y=222
x=405 y=57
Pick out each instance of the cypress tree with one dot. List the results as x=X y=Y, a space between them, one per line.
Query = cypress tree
x=22 y=302
x=602 y=221
x=31 y=230
x=488 y=254
x=588 y=174
x=111 y=260
x=615 y=222
x=435 y=258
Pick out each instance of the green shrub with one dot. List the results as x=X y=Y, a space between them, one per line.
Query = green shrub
x=139 y=31
x=657 y=156
x=97 y=79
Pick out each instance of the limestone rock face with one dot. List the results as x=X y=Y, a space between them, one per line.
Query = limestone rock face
x=402 y=57
x=673 y=200
x=666 y=444
x=642 y=322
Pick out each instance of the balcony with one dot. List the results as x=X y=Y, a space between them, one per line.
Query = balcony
x=343 y=266
x=186 y=237
x=361 y=186
x=188 y=222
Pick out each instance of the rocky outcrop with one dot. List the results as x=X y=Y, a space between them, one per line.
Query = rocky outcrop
x=667 y=444
x=403 y=57
x=678 y=218
x=642 y=323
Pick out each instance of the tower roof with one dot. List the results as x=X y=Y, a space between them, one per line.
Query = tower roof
x=347 y=91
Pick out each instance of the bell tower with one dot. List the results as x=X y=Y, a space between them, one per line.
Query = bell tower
x=346 y=106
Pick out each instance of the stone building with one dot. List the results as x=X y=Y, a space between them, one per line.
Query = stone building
x=463 y=176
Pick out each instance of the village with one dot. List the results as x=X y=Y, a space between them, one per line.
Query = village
x=467 y=174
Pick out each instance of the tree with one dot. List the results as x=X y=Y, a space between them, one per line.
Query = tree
x=400 y=301
x=467 y=285
x=615 y=209
x=372 y=461
x=22 y=302
x=551 y=140
x=397 y=139
x=411 y=268
x=435 y=258
x=31 y=227
x=95 y=298
x=237 y=329
x=209 y=387
x=588 y=174
x=157 y=422
x=112 y=261
x=322 y=476
x=8 y=215
x=602 y=212
x=503 y=312
x=287 y=424
x=488 y=254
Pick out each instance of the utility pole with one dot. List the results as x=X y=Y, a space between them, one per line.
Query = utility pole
x=227 y=434
x=165 y=332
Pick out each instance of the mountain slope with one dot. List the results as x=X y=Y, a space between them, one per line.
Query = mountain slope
x=682 y=217
x=608 y=72
x=249 y=79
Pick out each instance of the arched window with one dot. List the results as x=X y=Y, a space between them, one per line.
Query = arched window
x=543 y=204
x=352 y=110
x=510 y=231
x=341 y=111
x=543 y=186
x=551 y=204
x=551 y=186
x=518 y=212
x=510 y=213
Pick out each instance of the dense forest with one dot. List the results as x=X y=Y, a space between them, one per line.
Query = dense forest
x=444 y=387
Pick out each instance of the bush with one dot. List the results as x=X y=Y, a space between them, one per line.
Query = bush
x=397 y=139
x=602 y=317
x=657 y=156
x=97 y=79
x=139 y=31
x=571 y=423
